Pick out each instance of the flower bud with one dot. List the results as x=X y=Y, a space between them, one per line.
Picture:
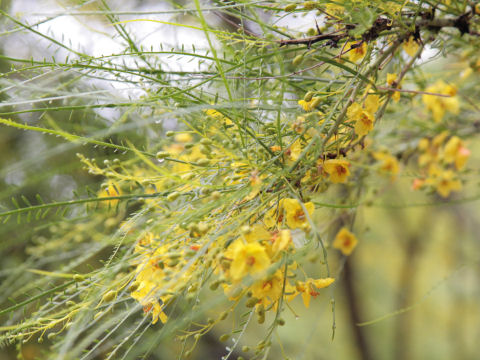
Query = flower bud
x=162 y=155
x=109 y=296
x=290 y=7
x=203 y=162
x=224 y=337
x=297 y=60
x=173 y=196
x=308 y=96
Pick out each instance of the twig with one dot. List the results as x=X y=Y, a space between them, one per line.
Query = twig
x=333 y=36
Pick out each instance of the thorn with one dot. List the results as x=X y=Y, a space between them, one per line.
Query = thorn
x=318 y=29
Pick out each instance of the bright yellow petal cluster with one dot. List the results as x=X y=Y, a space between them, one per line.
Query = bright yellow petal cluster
x=411 y=46
x=357 y=52
x=248 y=259
x=270 y=290
x=309 y=288
x=392 y=82
x=309 y=105
x=282 y=240
x=111 y=190
x=439 y=105
x=291 y=212
x=295 y=212
x=183 y=138
x=345 y=241
x=364 y=117
x=440 y=159
x=444 y=182
x=388 y=163
x=337 y=169
x=455 y=152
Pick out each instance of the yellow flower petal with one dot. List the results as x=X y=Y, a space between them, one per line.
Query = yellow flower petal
x=345 y=241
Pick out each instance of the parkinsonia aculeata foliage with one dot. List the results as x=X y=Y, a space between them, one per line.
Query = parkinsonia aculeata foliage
x=276 y=143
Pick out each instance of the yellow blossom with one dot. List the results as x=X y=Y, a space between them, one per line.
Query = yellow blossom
x=411 y=46
x=309 y=288
x=358 y=52
x=391 y=81
x=156 y=311
x=438 y=105
x=345 y=241
x=295 y=150
x=372 y=103
x=363 y=118
x=218 y=116
x=281 y=240
x=291 y=211
x=149 y=277
x=256 y=233
x=364 y=123
x=444 y=182
x=456 y=152
x=111 y=190
x=389 y=163
x=183 y=138
x=309 y=105
x=337 y=169
x=354 y=111
x=247 y=259
x=295 y=215
x=270 y=290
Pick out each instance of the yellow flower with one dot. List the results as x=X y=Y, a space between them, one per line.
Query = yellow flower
x=271 y=289
x=456 y=152
x=256 y=233
x=337 y=169
x=248 y=258
x=354 y=111
x=364 y=119
x=309 y=288
x=309 y=105
x=218 y=116
x=356 y=53
x=439 y=105
x=281 y=241
x=156 y=311
x=295 y=215
x=372 y=103
x=364 y=123
x=111 y=190
x=391 y=81
x=290 y=210
x=445 y=182
x=396 y=96
x=389 y=163
x=345 y=241
x=214 y=113
x=295 y=150
x=183 y=138
x=149 y=277
x=411 y=46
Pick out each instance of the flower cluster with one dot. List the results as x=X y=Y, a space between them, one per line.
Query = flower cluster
x=441 y=159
